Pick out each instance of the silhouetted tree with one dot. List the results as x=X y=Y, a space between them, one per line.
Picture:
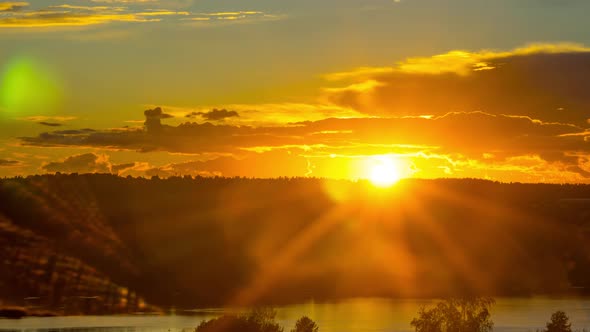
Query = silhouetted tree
x=259 y=320
x=456 y=315
x=305 y=324
x=264 y=317
x=559 y=323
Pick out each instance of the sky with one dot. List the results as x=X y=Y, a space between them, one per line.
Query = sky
x=325 y=88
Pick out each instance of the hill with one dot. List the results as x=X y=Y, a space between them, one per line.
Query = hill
x=101 y=243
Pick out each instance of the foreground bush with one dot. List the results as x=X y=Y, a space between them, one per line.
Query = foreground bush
x=258 y=320
x=456 y=315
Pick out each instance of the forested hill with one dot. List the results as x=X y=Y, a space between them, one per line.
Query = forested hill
x=101 y=243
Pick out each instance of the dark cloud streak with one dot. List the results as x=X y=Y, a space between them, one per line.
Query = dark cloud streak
x=50 y=124
x=9 y=163
x=82 y=163
x=214 y=115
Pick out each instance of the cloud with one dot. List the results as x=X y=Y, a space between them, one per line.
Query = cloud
x=9 y=163
x=74 y=15
x=66 y=15
x=156 y=113
x=470 y=130
x=86 y=163
x=12 y=6
x=63 y=19
x=82 y=163
x=50 y=124
x=465 y=62
x=118 y=168
x=88 y=8
x=214 y=115
x=153 y=119
x=151 y=3
x=43 y=118
x=544 y=81
x=457 y=143
x=74 y=131
x=513 y=116
x=271 y=114
x=232 y=17
x=163 y=12
x=126 y=1
x=361 y=72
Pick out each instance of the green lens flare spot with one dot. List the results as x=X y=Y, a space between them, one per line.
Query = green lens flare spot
x=29 y=88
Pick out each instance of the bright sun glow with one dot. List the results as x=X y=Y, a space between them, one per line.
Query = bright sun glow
x=384 y=172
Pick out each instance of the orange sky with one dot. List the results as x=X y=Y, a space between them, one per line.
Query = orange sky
x=128 y=107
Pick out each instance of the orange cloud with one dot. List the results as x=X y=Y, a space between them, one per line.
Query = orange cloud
x=9 y=163
x=66 y=15
x=63 y=19
x=125 y=1
x=271 y=114
x=83 y=163
x=473 y=144
x=544 y=81
x=11 y=6
x=237 y=17
x=361 y=72
x=86 y=163
x=71 y=15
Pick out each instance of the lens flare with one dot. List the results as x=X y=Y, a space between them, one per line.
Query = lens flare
x=27 y=87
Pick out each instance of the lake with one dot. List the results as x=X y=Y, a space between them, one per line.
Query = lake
x=355 y=315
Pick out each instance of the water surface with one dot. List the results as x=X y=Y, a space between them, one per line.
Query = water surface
x=355 y=315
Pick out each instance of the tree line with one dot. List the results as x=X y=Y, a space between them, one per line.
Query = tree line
x=471 y=314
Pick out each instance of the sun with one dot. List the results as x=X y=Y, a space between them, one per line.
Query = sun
x=384 y=172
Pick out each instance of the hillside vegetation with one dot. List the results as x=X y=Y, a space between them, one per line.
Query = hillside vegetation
x=102 y=243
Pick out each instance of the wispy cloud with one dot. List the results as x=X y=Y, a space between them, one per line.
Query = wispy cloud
x=361 y=72
x=89 y=8
x=234 y=17
x=270 y=114
x=9 y=163
x=50 y=124
x=67 y=15
x=109 y=11
x=44 y=118
x=40 y=19
x=12 y=6
x=457 y=61
x=214 y=115
x=125 y=1
x=163 y=12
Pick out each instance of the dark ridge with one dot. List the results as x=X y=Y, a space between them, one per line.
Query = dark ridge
x=105 y=244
